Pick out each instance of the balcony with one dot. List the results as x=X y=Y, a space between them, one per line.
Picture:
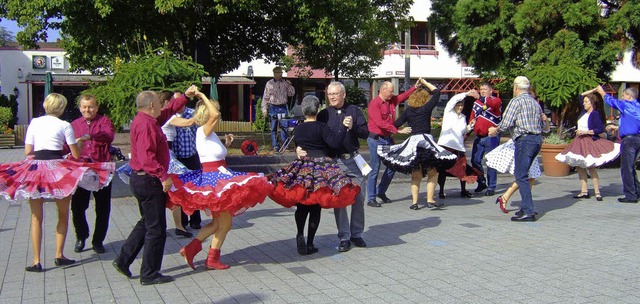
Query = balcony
x=414 y=49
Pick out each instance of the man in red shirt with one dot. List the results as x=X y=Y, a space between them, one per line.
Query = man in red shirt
x=382 y=114
x=149 y=183
x=487 y=112
x=94 y=134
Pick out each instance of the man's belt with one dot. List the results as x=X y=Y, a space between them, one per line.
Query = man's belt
x=376 y=136
x=141 y=172
x=630 y=135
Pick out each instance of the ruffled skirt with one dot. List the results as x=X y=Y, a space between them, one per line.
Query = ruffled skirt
x=311 y=181
x=585 y=152
x=502 y=159
x=175 y=167
x=52 y=179
x=222 y=190
x=461 y=169
x=418 y=152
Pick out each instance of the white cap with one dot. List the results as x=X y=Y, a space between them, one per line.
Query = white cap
x=521 y=82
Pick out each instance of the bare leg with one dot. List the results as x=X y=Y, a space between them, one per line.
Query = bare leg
x=582 y=174
x=208 y=230
x=432 y=180
x=510 y=191
x=416 y=179
x=63 y=225
x=595 y=180
x=177 y=218
x=36 y=228
x=224 y=226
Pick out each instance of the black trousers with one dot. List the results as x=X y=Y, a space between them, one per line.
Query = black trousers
x=192 y=163
x=151 y=229
x=79 y=205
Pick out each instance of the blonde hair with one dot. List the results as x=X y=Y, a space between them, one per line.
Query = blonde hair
x=54 y=104
x=89 y=97
x=201 y=114
x=418 y=98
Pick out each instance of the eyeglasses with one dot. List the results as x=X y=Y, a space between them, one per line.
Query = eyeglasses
x=334 y=94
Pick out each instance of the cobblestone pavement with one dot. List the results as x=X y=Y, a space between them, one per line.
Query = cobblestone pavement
x=579 y=251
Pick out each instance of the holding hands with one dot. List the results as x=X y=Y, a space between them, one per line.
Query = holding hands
x=228 y=139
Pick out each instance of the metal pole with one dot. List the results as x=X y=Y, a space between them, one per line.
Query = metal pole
x=407 y=60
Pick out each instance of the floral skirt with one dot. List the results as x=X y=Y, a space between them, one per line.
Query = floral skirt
x=502 y=159
x=461 y=169
x=584 y=152
x=418 y=152
x=218 y=189
x=52 y=179
x=311 y=181
x=175 y=167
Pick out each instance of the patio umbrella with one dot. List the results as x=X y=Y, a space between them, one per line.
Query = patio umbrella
x=48 y=84
x=213 y=91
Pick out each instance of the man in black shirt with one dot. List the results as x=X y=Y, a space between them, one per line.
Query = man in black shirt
x=337 y=115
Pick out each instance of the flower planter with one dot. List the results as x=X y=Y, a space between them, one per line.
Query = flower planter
x=7 y=140
x=550 y=165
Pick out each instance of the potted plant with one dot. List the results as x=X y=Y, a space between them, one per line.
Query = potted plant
x=552 y=144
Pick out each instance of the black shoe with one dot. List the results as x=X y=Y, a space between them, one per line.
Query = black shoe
x=441 y=195
x=480 y=188
x=183 y=233
x=520 y=213
x=490 y=192
x=64 y=262
x=358 y=242
x=99 y=248
x=414 y=207
x=434 y=204
x=582 y=195
x=34 y=268
x=466 y=194
x=311 y=249
x=627 y=200
x=195 y=226
x=158 y=279
x=79 y=246
x=344 y=246
x=526 y=218
x=384 y=198
x=373 y=203
x=121 y=269
x=302 y=247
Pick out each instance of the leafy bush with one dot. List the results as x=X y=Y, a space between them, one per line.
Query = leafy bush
x=260 y=124
x=355 y=96
x=555 y=138
x=5 y=118
x=10 y=102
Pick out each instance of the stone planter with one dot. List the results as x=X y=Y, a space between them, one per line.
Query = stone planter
x=550 y=165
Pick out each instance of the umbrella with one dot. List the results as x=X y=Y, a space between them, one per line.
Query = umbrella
x=48 y=84
x=213 y=91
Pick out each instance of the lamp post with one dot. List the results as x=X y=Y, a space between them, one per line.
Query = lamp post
x=407 y=60
x=16 y=92
x=250 y=75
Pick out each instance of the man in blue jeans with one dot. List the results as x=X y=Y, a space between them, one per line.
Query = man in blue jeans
x=524 y=115
x=486 y=113
x=630 y=144
x=382 y=114
x=276 y=93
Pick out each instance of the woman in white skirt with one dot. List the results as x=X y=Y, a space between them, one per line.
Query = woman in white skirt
x=588 y=150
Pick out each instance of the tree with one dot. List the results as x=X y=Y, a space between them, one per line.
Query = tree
x=345 y=38
x=157 y=69
x=513 y=37
x=6 y=36
x=218 y=33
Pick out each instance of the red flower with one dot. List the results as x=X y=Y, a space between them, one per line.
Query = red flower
x=249 y=147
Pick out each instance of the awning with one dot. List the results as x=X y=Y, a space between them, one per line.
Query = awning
x=62 y=79
x=223 y=80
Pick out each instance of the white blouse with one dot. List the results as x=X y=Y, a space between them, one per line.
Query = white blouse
x=49 y=133
x=454 y=125
x=210 y=148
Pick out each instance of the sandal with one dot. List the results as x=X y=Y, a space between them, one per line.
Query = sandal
x=414 y=207
x=441 y=195
x=598 y=197
x=582 y=195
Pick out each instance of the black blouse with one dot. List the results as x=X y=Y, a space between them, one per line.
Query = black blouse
x=419 y=119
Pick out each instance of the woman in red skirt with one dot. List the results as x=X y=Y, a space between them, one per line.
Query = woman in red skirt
x=588 y=150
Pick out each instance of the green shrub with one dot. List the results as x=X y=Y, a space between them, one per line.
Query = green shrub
x=260 y=124
x=5 y=117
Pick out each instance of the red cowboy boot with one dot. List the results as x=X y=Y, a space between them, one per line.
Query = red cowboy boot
x=190 y=251
x=213 y=260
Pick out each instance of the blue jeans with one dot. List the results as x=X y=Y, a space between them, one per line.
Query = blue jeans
x=482 y=146
x=348 y=228
x=527 y=148
x=274 y=110
x=374 y=162
x=629 y=150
